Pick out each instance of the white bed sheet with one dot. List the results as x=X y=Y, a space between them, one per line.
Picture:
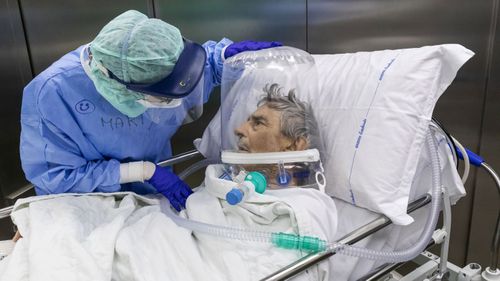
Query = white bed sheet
x=124 y=236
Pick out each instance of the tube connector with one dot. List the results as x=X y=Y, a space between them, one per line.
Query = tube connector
x=474 y=159
x=296 y=242
x=439 y=236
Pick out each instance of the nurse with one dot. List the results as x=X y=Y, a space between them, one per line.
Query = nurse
x=99 y=118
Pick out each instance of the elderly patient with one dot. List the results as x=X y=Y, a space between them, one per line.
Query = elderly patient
x=280 y=123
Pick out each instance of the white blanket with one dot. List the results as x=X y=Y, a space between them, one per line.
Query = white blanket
x=301 y=211
x=124 y=236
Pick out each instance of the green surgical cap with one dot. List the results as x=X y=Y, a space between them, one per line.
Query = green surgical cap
x=138 y=49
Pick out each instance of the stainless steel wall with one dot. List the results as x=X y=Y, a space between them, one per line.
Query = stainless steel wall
x=14 y=74
x=56 y=27
x=486 y=197
x=36 y=33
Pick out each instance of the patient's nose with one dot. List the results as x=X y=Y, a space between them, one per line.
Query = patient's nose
x=240 y=131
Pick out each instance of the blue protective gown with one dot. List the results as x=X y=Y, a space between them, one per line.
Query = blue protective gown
x=73 y=140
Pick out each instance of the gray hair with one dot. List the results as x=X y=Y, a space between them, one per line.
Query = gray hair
x=297 y=119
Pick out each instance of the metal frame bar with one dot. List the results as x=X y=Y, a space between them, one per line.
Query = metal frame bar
x=495 y=244
x=428 y=269
x=5 y=212
x=387 y=268
x=19 y=192
x=180 y=158
x=351 y=238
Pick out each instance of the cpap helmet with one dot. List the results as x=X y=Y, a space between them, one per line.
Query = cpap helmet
x=267 y=122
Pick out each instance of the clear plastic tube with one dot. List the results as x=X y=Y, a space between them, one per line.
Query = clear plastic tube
x=217 y=230
x=291 y=241
x=437 y=128
x=412 y=252
x=278 y=239
x=466 y=160
x=195 y=167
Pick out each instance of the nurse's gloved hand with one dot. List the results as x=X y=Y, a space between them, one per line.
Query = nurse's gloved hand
x=171 y=186
x=242 y=46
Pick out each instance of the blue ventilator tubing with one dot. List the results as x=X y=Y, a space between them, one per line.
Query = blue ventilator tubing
x=474 y=159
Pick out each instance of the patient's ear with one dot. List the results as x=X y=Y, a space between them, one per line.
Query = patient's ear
x=298 y=145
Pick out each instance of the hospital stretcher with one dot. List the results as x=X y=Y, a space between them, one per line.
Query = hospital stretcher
x=429 y=266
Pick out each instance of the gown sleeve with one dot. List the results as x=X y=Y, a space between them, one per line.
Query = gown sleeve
x=213 y=65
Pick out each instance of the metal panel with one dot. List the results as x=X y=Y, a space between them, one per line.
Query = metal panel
x=14 y=74
x=200 y=21
x=486 y=197
x=364 y=25
x=56 y=27
x=283 y=21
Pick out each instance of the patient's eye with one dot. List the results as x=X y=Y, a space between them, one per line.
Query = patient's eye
x=257 y=121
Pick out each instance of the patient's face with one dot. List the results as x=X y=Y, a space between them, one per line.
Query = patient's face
x=261 y=132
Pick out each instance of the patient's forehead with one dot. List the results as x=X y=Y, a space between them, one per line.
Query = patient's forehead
x=270 y=115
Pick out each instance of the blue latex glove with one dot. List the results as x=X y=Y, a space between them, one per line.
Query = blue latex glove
x=242 y=46
x=171 y=186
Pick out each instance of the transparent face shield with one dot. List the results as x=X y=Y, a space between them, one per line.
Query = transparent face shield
x=267 y=123
x=181 y=110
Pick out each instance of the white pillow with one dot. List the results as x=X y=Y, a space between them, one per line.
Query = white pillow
x=373 y=111
x=375 y=108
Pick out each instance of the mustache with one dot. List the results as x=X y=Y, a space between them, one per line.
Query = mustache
x=242 y=146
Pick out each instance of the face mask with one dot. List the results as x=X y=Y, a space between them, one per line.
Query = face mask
x=158 y=102
x=116 y=94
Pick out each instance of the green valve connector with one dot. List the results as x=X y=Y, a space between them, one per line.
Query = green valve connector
x=296 y=242
x=258 y=180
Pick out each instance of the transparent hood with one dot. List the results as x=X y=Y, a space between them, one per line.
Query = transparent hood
x=266 y=114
